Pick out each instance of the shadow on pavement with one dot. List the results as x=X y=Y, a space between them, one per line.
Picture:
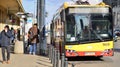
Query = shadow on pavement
x=0 y=61
x=46 y=61
x=44 y=64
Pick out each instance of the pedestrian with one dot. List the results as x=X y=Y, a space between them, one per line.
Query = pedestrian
x=5 y=44
x=13 y=35
x=33 y=39
x=18 y=34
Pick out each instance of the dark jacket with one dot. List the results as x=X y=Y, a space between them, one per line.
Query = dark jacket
x=5 y=38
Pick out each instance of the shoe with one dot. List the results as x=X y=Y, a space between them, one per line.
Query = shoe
x=3 y=62
x=30 y=53
x=8 y=62
x=33 y=53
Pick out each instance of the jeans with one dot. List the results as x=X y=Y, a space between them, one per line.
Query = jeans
x=6 y=48
x=33 y=47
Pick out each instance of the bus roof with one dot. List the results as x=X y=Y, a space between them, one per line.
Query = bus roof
x=67 y=4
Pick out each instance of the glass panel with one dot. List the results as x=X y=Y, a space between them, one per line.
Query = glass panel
x=101 y=25
x=83 y=28
x=70 y=35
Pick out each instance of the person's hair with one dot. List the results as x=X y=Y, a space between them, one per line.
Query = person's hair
x=7 y=26
x=35 y=24
x=12 y=28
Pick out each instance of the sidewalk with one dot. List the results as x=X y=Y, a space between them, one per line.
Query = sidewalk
x=25 y=60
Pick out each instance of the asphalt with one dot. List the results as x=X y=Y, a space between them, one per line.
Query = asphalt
x=26 y=60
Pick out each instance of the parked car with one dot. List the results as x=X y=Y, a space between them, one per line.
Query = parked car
x=115 y=38
x=117 y=32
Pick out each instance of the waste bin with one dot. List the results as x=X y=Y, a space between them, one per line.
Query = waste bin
x=19 y=47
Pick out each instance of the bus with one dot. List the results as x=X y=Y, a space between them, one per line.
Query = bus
x=83 y=30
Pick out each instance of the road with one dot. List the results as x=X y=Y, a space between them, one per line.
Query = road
x=113 y=61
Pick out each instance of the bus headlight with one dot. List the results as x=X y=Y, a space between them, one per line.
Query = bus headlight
x=107 y=50
x=71 y=51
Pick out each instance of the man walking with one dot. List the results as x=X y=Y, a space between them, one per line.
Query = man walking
x=33 y=39
x=5 y=44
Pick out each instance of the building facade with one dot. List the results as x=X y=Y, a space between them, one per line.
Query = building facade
x=8 y=12
x=116 y=11
x=113 y=3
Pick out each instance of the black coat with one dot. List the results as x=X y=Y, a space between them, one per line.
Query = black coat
x=5 y=38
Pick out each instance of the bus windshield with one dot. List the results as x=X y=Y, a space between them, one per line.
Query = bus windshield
x=88 y=27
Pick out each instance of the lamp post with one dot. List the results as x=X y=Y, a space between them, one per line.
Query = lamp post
x=41 y=20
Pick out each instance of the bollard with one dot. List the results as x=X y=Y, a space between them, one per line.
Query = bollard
x=52 y=55
x=58 y=58
x=66 y=62
x=73 y=65
x=55 y=53
x=19 y=47
x=63 y=60
x=49 y=52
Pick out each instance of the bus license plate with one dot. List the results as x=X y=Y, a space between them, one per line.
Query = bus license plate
x=89 y=53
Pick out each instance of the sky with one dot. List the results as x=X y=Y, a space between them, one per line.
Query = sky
x=30 y=5
x=50 y=7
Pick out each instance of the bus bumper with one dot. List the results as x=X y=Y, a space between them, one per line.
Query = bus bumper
x=108 y=52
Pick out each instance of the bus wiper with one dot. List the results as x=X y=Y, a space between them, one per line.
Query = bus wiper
x=98 y=36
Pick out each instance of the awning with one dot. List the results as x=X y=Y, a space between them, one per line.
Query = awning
x=12 y=6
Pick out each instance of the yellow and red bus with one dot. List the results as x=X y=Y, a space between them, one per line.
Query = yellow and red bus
x=83 y=30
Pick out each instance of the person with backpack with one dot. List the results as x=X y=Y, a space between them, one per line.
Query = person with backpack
x=5 y=44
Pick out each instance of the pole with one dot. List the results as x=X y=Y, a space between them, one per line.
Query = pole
x=63 y=60
x=41 y=19
x=24 y=34
x=66 y=62
x=58 y=58
x=38 y=21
